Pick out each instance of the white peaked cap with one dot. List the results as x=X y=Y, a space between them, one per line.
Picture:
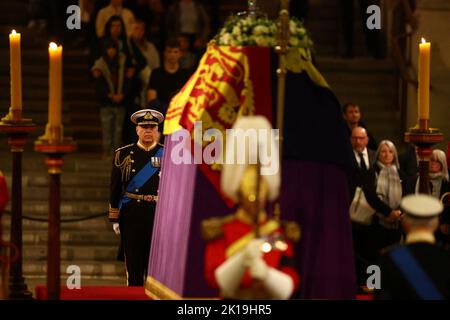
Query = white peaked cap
x=421 y=206
x=239 y=155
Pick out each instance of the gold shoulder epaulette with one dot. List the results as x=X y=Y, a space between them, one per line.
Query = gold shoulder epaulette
x=292 y=230
x=1 y=174
x=212 y=228
x=128 y=145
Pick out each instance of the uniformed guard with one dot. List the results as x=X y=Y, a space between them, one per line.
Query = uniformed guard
x=249 y=255
x=134 y=193
x=419 y=269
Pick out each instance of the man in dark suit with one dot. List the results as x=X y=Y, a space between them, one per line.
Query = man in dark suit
x=364 y=177
x=352 y=116
x=419 y=269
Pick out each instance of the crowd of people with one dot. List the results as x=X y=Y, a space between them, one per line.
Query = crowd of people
x=385 y=177
x=136 y=63
x=144 y=51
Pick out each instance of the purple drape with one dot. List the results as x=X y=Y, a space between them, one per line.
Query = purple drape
x=172 y=221
x=186 y=197
x=315 y=195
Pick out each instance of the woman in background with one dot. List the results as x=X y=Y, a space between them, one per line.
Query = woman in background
x=390 y=188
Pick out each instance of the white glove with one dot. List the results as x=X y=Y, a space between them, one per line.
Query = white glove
x=278 y=284
x=253 y=251
x=229 y=274
x=116 y=228
x=259 y=269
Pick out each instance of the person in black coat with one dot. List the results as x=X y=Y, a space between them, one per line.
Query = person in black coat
x=112 y=86
x=390 y=186
x=419 y=269
x=352 y=117
x=365 y=248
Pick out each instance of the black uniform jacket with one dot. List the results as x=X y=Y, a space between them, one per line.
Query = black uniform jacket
x=127 y=162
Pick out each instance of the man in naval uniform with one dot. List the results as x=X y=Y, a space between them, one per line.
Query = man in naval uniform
x=419 y=269
x=134 y=193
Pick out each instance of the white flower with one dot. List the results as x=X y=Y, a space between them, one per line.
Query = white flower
x=244 y=31
x=293 y=41
x=292 y=26
x=225 y=38
x=259 y=30
x=301 y=31
x=259 y=40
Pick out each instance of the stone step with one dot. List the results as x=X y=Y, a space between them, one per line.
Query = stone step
x=100 y=224
x=73 y=253
x=86 y=193
x=27 y=83
x=68 y=179
x=90 y=106
x=75 y=162
x=358 y=79
x=77 y=94
x=92 y=132
x=91 y=119
x=34 y=280
x=90 y=145
x=91 y=268
x=68 y=209
x=77 y=237
x=357 y=65
x=384 y=89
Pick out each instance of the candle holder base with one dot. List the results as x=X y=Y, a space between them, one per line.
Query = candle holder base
x=17 y=132
x=424 y=137
x=17 y=128
x=50 y=147
x=54 y=160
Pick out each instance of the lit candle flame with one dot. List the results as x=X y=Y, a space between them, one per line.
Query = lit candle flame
x=53 y=45
x=424 y=41
x=13 y=31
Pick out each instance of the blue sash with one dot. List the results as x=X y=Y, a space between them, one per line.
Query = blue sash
x=415 y=275
x=140 y=178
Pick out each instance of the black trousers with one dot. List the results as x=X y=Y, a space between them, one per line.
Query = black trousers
x=365 y=252
x=136 y=226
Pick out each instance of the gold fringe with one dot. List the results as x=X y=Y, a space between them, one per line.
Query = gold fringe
x=157 y=291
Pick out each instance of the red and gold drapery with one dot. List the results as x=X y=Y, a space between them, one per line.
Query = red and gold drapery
x=229 y=82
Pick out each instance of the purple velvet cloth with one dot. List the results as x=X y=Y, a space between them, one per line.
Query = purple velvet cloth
x=314 y=194
x=169 y=247
x=186 y=197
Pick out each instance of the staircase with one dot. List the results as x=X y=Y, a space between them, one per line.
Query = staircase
x=365 y=81
x=370 y=84
x=90 y=244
